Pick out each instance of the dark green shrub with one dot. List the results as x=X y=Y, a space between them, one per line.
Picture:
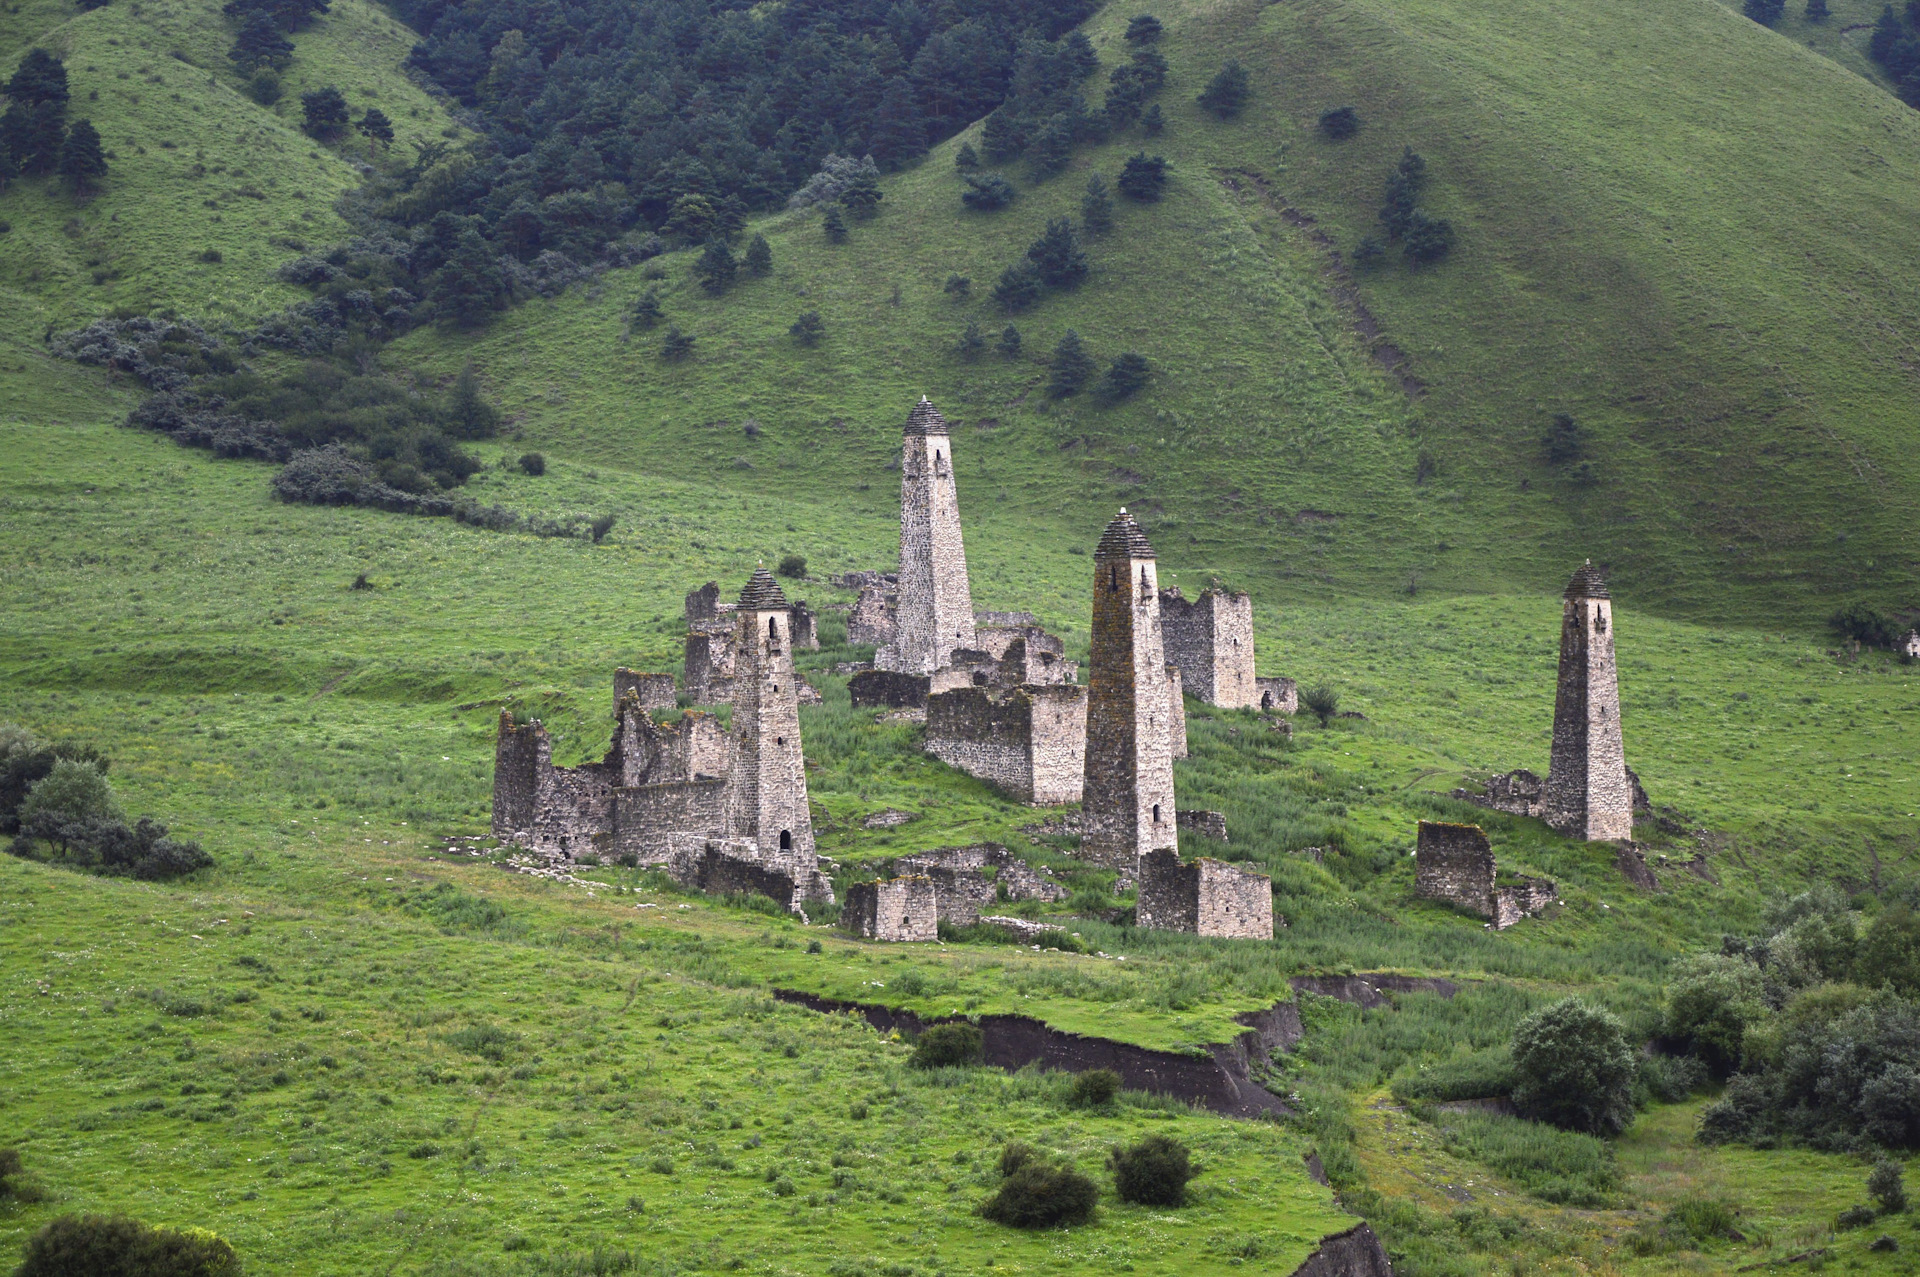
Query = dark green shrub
x=794 y=566
x=1854 y=1217
x=1691 y=1222
x=1321 y=700
x=808 y=329
x=1886 y=1184
x=676 y=345
x=533 y=463
x=1094 y=1089
x=1483 y=1075
x=1039 y=1191
x=1671 y=1079
x=1143 y=29
x=1153 y=1172
x=1227 y=92
x=1340 y=123
x=1144 y=176
x=1128 y=374
x=1572 y=1067
x=117 y=1246
x=947 y=1046
x=600 y=526
x=988 y=193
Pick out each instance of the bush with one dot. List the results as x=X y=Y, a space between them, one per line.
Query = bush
x=1688 y=1223
x=1227 y=92
x=1671 y=1079
x=957 y=286
x=11 y=1169
x=1886 y=1184
x=116 y=1246
x=1321 y=700
x=794 y=566
x=1854 y=1217
x=1039 y=1191
x=533 y=463
x=947 y=1046
x=808 y=329
x=1094 y=1089
x=987 y=193
x=1018 y=287
x=1127 y=375
x=1153 y=1172
x=70 y=792
x=1572 y=1067
x=1340 y=123
x=1484 y=1075
x=110 y=847
x=599 y=528
x=676 y=345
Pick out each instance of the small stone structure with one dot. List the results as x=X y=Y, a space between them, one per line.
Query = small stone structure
x=1029 y=741
x=1204 y=897
x=905 y=909
x=967 y=879
x=655 y=691
x=1587 y=794
x=1277 y=695
x=871 y=622
x=934 y=612
x=1209 y=824
x=1455 y=863
x=1127 y=798
x=1211 y=641
x=738 y=866
x=886 y=689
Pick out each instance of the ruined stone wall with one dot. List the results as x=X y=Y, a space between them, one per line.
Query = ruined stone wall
x=806 y=637
x=654 y=690
x=1278 y=695
x=1210 y=824
x=968 y=879
x=1169 y=893
x=769 y=772
x=727 y=867
x=1235 y=903
x=934 y=614
x=520 y=754
x=886 y=689
x=1454 y=863
x=1587 y=793
x=1211 y=640
x=1029 y=742
x=708 y=676
x=1521 y=898
x=902 y=909
x=1176 y=713
x=647 y=818
x=704 y=603
x=1057 y=747
x=1127 y=796
x=871 y=623
x=557 y=811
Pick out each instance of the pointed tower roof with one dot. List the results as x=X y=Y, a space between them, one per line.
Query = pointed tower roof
x=925 y=419
x=1587 y=583
x=1123 y=539
x=762 y=593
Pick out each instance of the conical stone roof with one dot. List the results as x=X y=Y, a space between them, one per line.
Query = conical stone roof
x=1123 y=539
x=1587 y=583
x=762 y=593
x=925 y=419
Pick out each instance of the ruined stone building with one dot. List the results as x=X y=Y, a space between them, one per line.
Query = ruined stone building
x=968 y=879
x=655 y=691
x=708 y=672
x=1587 y=794
x=1455 y=863
x=934 y=613
x=904 y=908
x=1210 y=640
x=664 y=790
x=1204 y=897
x=1028 y=741
x=1127 y=805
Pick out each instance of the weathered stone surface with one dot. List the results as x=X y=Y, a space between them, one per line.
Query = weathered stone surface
x=1205 y=897
x=654 y=690
x=1517 y=793
x=1355 y=1253
x=1587 y=794
x=1127 y=799
x=1211 y=641
x=871 y=623
x=1455 y=863
x=934 y=613
x=1176 y=713
x=902 y=909
x=1029 y=742
x=1632 y=864
x=1277 y=695
x=736 y=866
x=805 y=635
x=888 y=689
x=865 y=580
x=1209 y=824
x=769 y=793
x=967 y=879
x=708 y=674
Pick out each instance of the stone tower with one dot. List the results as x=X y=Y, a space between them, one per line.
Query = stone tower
x=1587 y=793
x=769 y=800
x=1127 y=798
x=1211 y=640
x=935 y=610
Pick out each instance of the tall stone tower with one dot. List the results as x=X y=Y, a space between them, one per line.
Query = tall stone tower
x=1127 y=799
x=769 y=801
x=1587 y=793
x=935 y=611
x=1211 y=640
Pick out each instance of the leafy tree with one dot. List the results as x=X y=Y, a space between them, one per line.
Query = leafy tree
x=1096 y=206
x=1816 y=10
x=1094 y=1088
x=1018 y=288
x=973 y=343
x=716 y=268
x=82 y=159
x=1322 y=700
x=1226 y=93
x=1057 y=255
x=1128 y=374
x=694 y=218
x=1340 y=123
x=1887 y=1185
x=808 y=329
x=987 y=193
x=1153 y=121
x=1070 y=366
x=647 y=311
x=533 y=463
x=1890 y=951
x=263 y=86
x=793 y=566
x=947 y=1046
x=966 y=159
x=1153 y=1172
x=957 y=285
x=1038 y=1191
x=1143 y=29
x=325 y=111
x=1009 y=343
x=1144 y=177
x=1711 y=1004
x=1427 y=239
x=71 y=791
x=759 y=259
x=1765 y=12
x=116 y=1246
x=834 y=225
x=376 y=128
x=1573 y=1068
x=261 y=43
x=469 y=415
x=676 y=345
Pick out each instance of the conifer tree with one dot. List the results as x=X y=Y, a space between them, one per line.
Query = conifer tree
x=1018 y=287
x=1070 y=366
x=1052 y=147
x=1886 y=33
x=260 y=43
x=1143 y=29
x=1143 y=177
x=469 y=415
x=966 y=159
x=325 y=111
x=39 y=78
x=1057 y=255
x=647 y=311
x=8 y=169
x=1096 y=206
x=808 y=329
x=987 y=193
x=376 y=128
x=1009 y=343
x=862 y=195
x=759 y=259
x=1149 y=68
x=1153 y=122
x=1002 y=138
x=1816 y=10
x=82 y=160
x=1227 y=92
x=834 y=224
x=676 y=345
x=1427 y=239
x=973 y=343
x=1127 y=375
x=1765 y=12
x=469 y=285
x=716 y=268
x=958 y=285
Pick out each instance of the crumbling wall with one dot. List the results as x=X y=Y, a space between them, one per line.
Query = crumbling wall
x=968 y=879
x=872 y=622
x=1454 y=863
x=1517 y=793
x=1028 y=742
x=1521 y=898
x=1211 y=640
x=1211 y=824
x=887 y=689
x=1176 y=713
x=647 y=818
x=704 y=604
x=806 y=636
x=654 y=690
x=520 y=754
x=729 y=867
x=1206 y=897
x=897 y=909
x=708 y=676
x=1277 y=695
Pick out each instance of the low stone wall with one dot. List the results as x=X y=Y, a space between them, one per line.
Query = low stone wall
x=872 y=623
x=708 y=675
x=731 y=866
x=1209 y=824
x=655 y=691
x=1454 y=863
x=888 y=690
x=963 y=885
x=1206 y=897
x=1521 y=898
x=646 y=818
x=1277 y=695
x=899 y=909
x=1517 y=793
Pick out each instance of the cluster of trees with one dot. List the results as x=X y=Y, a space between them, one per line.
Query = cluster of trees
x=1422 y=237
x=56 y=800
x=35 y=138
x=1057 y=259
x=1070 y=368
x=1869 y=627
x=262 y=45
x=1895 y=45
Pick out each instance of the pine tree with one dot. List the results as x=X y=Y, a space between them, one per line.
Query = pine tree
x=8 y=169
x=1070 y=366
x=263 y=86
x=1144 y=29
x=1227 y=92
x=40 y=78
x=966 y=159
x=987 y=193
x=647 y=311
x=1052 y=147
x=899 y=131
x=1153 y=122
x=1368 y=253
x=862 y=195
x=1018 y=287
x=1096 y=206
x=1144 y=177
x=808 y=329
x=1057 y=255
x=1817 y=10
x=716 y=268
x=1002 y=138
x=1427 y=239
x=1009 y=343
x=469 y=415
x=376 y=128
x=469 y=286
x=1886 y=33
x=1149 y=68
x=958 y=285
x=1127 y=375
x=325 y=110
x=759 y=259
x=1765 y=12
x=33 y=135
x=676 y=345
x=82 y=160
x=834 y=225
x=973 y=343
x=260 y=44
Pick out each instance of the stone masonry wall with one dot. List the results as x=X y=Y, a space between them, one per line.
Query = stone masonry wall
x=655 y=691
x=647 y=818
x=934 y=613
x=769 y=773
x=899 y=909
x=708 y=677
x=1028 y=742
x=1176 y=712
x=1587 y=793
x=1521 y=898
x=1206 y=897
x=1454 y=863
x=968 y=879
x=887 y=689
x=1211 y=640
x=1210 y=824
x=519 y=754
x=871 y=623
x=1277 y=695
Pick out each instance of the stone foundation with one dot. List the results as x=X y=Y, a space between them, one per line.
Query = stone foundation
x=1206 y=897
x=896 y=909
x=737 y=866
